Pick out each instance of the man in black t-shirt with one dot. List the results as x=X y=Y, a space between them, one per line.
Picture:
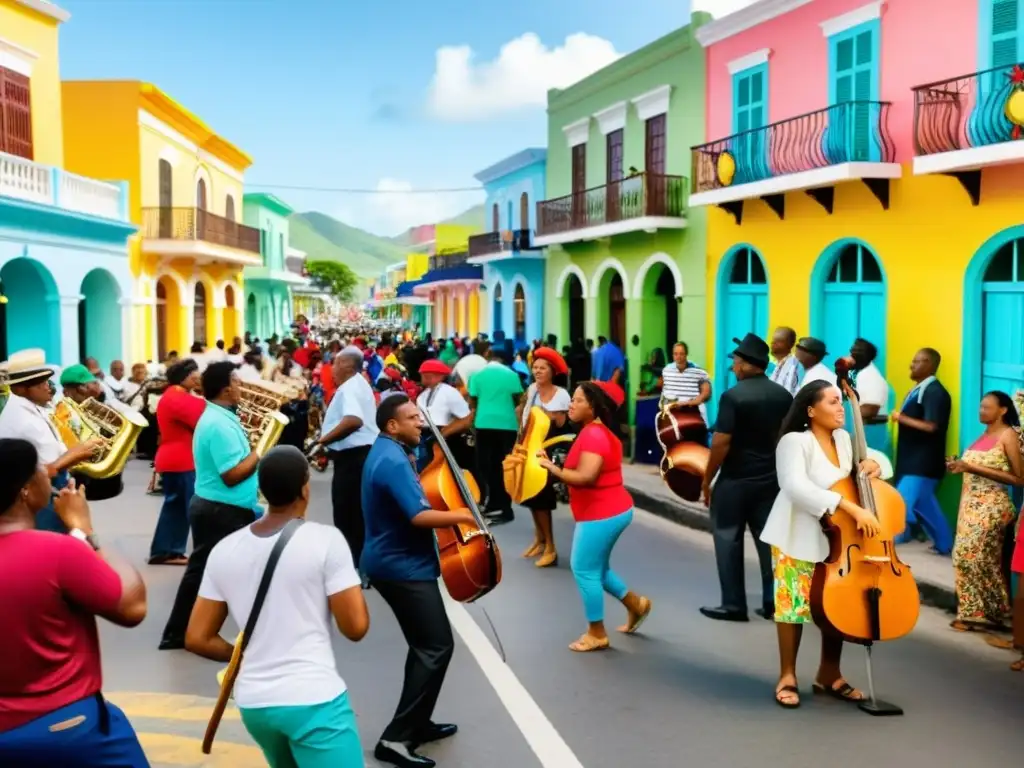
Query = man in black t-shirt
x=750 y=416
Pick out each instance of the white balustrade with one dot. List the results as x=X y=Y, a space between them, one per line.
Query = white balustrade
x=36 y=183
x=85 y=195
x=25 y=180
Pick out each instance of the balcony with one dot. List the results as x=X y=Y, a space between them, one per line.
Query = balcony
x=967 y=123
x=447 y=270
x=199 y=234
x=643 y=202
x=443 y=261
x=405 y=293
x=33 y=182
x=811 y=153
x=495 y=246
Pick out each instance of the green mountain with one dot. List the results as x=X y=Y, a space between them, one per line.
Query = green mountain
x=325 y=238
x=472 y=217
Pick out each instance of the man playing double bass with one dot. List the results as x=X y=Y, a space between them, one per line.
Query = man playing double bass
x=400 y=559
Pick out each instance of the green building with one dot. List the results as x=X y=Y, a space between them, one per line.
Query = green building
x=268 y=288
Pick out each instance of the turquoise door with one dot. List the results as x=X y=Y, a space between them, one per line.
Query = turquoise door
x=749 y=116
x=853 y=58
x=853 y=304
x=1002 y=343
x=743 y=310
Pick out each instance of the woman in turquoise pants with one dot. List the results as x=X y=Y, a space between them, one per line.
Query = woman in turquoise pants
x=602 y=507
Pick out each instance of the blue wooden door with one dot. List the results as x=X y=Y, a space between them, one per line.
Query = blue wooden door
x=744 y=308
x=1002 y=355
x=853 y=304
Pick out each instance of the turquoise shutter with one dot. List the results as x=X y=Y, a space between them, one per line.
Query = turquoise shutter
x=855 y=77
x=1005 y=32
x=749 y=113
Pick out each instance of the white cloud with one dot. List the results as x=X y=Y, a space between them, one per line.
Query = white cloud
x=520 y=76
x=720 y=8
x=395 y=207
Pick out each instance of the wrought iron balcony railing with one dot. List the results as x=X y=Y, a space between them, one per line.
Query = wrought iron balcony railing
x=975 y=110
x=447 y=260
x=507 y=240
x=635 y=197
x=197 y=224
x=853 y=131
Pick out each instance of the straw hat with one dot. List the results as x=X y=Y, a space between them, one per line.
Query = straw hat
x=26 y=366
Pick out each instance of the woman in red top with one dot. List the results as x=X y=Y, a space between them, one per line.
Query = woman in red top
x=602 y=507
x=176 y=414
x=51 y=710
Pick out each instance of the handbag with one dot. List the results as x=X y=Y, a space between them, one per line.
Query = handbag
x=231 y=673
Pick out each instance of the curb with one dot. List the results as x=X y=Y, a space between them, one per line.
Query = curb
x=694 y=516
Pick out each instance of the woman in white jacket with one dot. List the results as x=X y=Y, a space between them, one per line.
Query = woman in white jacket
x=813 y=454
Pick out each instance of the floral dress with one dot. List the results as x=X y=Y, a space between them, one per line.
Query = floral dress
x=985 y=512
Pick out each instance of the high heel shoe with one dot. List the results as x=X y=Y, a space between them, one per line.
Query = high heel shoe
x=547 y=560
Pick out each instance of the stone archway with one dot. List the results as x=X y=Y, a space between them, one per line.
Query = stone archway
x=31 y=316
x=100 y=319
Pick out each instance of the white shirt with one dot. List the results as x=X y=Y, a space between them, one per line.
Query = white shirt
x=289 y=660
x=805 y=476
x=559 y=402
x=247 y=372
x=787 y=374
x=444 y=404
x=873 y=389
x=23 y=419
x=353 y=398
x=818 y=372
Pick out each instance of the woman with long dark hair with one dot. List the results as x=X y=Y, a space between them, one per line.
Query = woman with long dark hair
x=992 y=463
x=813 y=454
x=602 y=507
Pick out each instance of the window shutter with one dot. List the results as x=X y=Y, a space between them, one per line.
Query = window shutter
x=757 y=100
x=1005 y=32
x=16 y=123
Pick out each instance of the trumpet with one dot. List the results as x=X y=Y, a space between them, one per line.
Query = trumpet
x=118 y=430
x=260 y=413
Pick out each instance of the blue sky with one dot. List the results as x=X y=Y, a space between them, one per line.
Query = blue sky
x=339 y=93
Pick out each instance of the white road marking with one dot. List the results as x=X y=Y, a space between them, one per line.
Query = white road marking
x=547 y=744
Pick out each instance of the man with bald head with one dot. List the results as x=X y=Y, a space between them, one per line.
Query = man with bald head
x=349 y=429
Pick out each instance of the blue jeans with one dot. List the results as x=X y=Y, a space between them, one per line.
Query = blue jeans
x=170 y=538
x=312 y=736
x=592 y=544
x=922 y=507
x=47 y=519
x=90 y=733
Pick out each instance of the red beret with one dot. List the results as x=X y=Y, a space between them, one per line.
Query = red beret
x=556 y=360
x=435 y=366
x=613 y=390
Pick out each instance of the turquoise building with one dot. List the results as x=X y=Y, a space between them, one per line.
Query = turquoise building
x=268 y=288
x=64 y=273
x=512 y=299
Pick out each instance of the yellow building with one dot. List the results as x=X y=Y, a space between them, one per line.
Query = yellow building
x=451 y=283
x=186 y=196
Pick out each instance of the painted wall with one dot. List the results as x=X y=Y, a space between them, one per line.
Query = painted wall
x=32 y=31
x=509 y=273
x=452 y=238
x=506 y=193
x=273 y=226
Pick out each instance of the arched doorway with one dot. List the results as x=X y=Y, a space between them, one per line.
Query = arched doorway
x=168 y=324
x=611 y=320
x=201 y=209
x=230 y=315
x=574 y=307
x=199 y=316
x=31 y=316
x=742 y=306
x=659 y=311
x=496 y=316
x=250 y=315
x=848 y=301
x=519 y=314
x=99 y=318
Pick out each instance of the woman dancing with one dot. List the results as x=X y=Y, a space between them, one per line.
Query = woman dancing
x=602 y=507
x=813 y=454
x=549 y=373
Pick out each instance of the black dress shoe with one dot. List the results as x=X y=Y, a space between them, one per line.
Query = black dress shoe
x=171 y=644
x=436 y=732
x=401 y=755
x=766 y=613
x=499 y=518
x=724 y=614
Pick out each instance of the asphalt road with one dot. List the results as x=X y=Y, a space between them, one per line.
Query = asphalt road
x=686 y=691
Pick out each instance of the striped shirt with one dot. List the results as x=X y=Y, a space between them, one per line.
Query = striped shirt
x=787 y=373
x=682 y=385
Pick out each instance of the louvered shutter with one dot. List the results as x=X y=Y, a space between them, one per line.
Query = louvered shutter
x=16 y=118
x=1005 y=32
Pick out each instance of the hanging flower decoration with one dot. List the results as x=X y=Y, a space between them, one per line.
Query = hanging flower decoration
x=1015 y=101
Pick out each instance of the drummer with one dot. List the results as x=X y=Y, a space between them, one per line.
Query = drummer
x=448 y=410
x=684 y=384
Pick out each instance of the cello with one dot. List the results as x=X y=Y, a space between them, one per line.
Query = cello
x=469 y=555
x=683 y=436
x=863 y=591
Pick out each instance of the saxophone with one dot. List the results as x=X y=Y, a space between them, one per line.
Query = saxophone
x=260 y=414
x=119 y=430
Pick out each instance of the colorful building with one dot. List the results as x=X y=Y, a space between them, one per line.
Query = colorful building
x=450 y=283
x=185 y=194
x=268 y=287
x=865 y=182
x=65 y=282
x=626 y=257
x=307 y=299
x=383 y=293
x=416 y=310
x=513 y=287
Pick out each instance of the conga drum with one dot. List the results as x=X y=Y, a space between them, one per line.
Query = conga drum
x=683 y=435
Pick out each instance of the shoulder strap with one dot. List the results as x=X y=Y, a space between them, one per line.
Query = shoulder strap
x=268 y=572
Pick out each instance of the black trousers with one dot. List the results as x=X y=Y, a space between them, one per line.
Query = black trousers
x=419 y=608
x=347 y=497
x=735 y=506
x=210 y=522
x=492 y=446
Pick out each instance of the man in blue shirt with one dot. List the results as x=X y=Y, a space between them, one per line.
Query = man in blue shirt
x=226 y=488
x=400 y=559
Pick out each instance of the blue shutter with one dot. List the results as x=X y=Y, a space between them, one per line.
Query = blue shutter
x=750 y=112
x=851 y=134
x=1006 y=38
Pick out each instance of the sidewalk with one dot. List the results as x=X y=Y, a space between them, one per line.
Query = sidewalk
x=934 y=574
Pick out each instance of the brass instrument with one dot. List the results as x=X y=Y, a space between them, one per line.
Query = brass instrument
x=524 y=477
x=260 y=414
x=151 y=386
x=119 y=430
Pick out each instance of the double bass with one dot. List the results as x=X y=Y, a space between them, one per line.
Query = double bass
x=863 y=591
x=683 y=436
x=469 y=555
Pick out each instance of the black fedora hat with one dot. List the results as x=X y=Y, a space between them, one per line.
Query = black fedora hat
x=753 y=349
x=813 y=346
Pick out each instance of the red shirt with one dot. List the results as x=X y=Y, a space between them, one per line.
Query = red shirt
x=607 y=497
x=53 y=585
x=177 y=414
x=327 y=382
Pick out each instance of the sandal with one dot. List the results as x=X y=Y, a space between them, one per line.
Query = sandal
x=636 y=619
x=787 y=697
x=1018 y=665
x=534 y=549
x=967 y=626
x=588 y=643
x=839 y=690
x=548 y=560
x=1000 y=642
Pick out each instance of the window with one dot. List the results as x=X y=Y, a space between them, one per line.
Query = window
x=749 y=114
x=614 y=144
x=654 y=145
x=166 y=175
x=229 y=208
x=495 y=223
x=524 y=211
x=579 y=168
x=201 y=194
x=280 y=251
x=15 y=114
x=1004 y=20
x=853 y=62
x=519 y=305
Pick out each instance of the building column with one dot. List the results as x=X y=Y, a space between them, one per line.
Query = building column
x=186 y=325
x=127 y=316
x=217 y=331
x=69 y=346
